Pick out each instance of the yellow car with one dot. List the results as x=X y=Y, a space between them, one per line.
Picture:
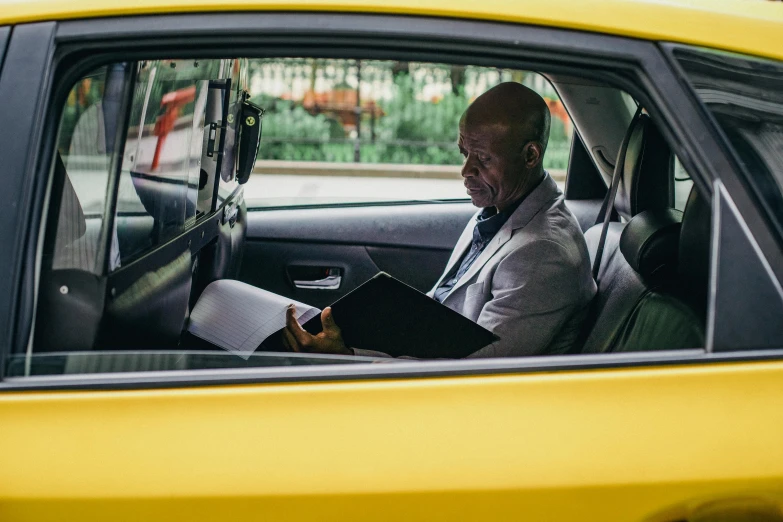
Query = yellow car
x=135 y=186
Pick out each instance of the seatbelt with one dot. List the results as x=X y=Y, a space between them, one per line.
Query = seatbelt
x=604 y=216
x=607 y=207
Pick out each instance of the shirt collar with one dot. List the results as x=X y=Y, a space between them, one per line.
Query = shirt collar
x=489 y=220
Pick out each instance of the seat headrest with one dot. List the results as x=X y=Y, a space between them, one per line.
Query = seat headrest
x=694 y=253
x=650 y=242
x=646 y=182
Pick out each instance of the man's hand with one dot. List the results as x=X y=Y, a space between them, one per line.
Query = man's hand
x=330 y=340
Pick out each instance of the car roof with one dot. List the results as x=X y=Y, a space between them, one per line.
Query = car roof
x=748 y=26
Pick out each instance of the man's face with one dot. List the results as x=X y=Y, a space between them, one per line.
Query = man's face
x=494 y=170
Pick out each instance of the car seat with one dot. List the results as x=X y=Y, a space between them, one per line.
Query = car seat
x=652 y=278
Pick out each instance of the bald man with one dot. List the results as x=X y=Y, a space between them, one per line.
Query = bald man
x=521 y=267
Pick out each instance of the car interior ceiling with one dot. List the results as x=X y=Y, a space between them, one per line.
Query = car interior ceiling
x=652 y=282
x=601 y=114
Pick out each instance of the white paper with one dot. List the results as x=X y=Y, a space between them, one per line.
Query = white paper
x=238 y=317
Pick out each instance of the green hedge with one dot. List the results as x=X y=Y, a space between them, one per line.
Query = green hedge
x=411 y=131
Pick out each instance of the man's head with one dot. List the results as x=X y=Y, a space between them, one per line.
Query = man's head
x=503 y=136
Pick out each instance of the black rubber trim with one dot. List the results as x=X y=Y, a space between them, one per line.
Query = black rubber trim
x=24 y=173
x=148 y=32
x=388 y=371
x=319 y=34
x=5 y=34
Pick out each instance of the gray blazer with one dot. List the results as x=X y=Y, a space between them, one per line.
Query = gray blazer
x=532 y=283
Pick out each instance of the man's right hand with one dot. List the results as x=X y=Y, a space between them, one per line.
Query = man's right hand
x=329 y=341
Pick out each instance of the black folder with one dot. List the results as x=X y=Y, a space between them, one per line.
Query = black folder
x=386 y=315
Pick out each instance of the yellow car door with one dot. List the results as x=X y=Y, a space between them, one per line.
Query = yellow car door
x=646 y=436
x=616 y=444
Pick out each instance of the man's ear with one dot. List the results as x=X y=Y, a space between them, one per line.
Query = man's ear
x=532 y=154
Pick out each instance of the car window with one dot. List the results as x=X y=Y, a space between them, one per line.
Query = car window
x=85 y=147
x=168 y=173
x=744 y=95
x=348 y=131
x=164 y=136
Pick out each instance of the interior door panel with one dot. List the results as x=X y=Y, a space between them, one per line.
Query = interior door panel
x=428 y=225
x=413 y=265
x=410 y=242
x=267 y=265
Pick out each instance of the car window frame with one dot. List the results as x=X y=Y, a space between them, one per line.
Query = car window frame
x=24 y=87
x=737 y=202
x=639 y=67
x=5 y=32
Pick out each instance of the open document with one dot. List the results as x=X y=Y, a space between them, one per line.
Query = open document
x=382 y=314
x=238 y=317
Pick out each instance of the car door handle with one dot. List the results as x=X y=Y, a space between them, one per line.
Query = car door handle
x=330 y=282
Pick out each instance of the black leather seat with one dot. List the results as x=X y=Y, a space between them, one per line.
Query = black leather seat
x=647 y=298
x=642 y=303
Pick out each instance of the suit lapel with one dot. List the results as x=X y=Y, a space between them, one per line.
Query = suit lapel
x=500 y=239
x=530 y=206
x=463 y=243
